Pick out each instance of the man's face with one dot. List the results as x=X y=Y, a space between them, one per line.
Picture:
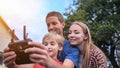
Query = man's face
x=53 y=24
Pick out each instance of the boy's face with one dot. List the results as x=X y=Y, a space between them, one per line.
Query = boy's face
x=55 y=25
x=52 y=47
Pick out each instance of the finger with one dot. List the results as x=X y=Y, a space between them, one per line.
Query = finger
x=11 y=57
x=7 y=49
x=37 y=58
x=7 y=64
x=38 y=61
x=7 y=54
x=36 y=50
x=10 y=64
x=41 y=62
x=36 y=44
x=9 y=60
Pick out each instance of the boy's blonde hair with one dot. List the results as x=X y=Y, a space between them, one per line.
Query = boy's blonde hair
x=59 y=39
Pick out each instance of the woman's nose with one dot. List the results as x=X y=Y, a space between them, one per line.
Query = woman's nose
x=71 y=35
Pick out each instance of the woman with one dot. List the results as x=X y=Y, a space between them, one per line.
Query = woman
x=91 y=56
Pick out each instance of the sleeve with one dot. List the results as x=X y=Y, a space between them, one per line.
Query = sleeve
x=36 y=65
x=97 y=59
x=70 y=52
x=73 y=55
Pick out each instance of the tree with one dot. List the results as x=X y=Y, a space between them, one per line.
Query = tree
x=103 y=19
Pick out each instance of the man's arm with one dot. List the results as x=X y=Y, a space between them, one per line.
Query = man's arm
x=70 y=53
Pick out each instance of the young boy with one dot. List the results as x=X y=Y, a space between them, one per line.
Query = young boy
x=54 y=44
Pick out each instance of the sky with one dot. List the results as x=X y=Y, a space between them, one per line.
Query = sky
x=32 y=13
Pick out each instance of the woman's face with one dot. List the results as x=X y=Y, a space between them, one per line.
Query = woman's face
x=76 y=35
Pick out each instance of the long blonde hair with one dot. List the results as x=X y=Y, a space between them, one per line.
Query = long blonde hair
x=88 y=43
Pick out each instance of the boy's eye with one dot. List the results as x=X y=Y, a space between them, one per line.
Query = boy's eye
x=45 y=44
x=52 y=43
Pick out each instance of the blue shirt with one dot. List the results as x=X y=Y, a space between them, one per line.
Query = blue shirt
x=70 y=52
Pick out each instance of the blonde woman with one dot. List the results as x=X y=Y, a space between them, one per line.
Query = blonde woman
x=91 y=56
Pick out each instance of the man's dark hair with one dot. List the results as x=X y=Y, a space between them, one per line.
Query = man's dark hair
x=56 y=14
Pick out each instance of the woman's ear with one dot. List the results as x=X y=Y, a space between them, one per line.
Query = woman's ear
x=85 y=37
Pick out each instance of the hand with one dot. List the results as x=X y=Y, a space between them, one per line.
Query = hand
x=38 y=53
x=9 y=58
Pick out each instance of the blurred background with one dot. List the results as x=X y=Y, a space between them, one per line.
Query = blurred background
x=102 y=17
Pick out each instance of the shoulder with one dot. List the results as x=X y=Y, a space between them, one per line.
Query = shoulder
x=70 y=52
x=96 y=52
x=66 y=42
x=97 y=57
x=69 y=48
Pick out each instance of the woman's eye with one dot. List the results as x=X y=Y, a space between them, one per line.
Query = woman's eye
x=69 y=32
x=77 y=32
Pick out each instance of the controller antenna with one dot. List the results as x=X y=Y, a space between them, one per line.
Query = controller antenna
x=13 y=34
x=24 y=33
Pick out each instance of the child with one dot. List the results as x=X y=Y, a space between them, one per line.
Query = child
x=54 y=44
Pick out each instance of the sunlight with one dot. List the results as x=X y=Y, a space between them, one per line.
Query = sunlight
x=8 y=7
x=22 y=8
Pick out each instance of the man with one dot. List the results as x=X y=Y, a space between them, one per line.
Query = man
x=69 y=55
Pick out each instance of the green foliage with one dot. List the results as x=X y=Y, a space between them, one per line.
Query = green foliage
x=103 y=19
